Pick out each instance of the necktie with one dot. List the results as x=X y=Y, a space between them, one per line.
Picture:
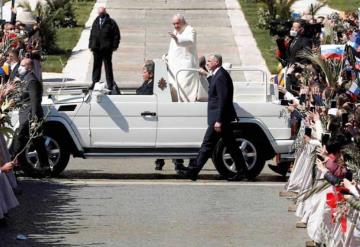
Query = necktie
x=101 y=22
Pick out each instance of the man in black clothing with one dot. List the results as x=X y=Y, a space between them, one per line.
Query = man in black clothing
x=147 y=87
x=298 y=42
x=30 y=113
x=104 y=39
x=221 y=114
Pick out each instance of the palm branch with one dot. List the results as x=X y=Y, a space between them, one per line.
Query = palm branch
x=314 y=8
x=331 y=68
x=6 y=131
x=329 y=35
x=308 y=193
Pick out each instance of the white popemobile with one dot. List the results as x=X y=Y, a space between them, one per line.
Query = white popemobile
x=95 y=124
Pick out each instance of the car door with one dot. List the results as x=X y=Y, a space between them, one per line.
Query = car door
x=181 y=124
x=123 y=121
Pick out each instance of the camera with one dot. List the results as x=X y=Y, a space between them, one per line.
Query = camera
x=333 y=104
x=280 y=27
x=308 y=131
x=344 y=119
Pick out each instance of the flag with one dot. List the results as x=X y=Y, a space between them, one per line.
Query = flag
x=354 y=88
x=354 y=41
x=357 y=63
x=279 y=79
x=332 y=51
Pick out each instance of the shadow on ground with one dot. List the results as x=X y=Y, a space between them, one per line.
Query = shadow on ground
x=47 y=213
x=99 y=174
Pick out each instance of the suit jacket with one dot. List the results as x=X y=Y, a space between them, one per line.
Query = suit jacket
x=146 y=88
x=220 y=102
x=295 y=46
x=105 y=38
x=32 y=91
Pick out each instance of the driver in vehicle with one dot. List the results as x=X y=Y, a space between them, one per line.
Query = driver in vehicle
x=148 y=75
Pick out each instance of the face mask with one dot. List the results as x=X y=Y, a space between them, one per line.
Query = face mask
x=293 y=33
x=22 y=70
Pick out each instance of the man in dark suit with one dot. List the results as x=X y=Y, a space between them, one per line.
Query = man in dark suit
x=221 y=114
x=148 y=75
x=298 y=42
x=30 y=113
x=104 y=39
x=14 y=64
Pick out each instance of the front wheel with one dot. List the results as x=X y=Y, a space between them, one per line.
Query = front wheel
x=58 y=156
x=251 y=151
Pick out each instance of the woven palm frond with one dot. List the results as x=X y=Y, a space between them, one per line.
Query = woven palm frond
x=329 y=35
x=307 y=194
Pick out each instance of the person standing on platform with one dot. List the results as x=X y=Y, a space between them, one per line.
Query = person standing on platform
x=104 y=40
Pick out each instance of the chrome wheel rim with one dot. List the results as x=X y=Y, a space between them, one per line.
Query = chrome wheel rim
x=249 y=152
x=53 y=150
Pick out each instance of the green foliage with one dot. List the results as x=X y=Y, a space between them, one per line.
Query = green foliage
x=66 y=38
x=263 y=39
x=46 y=27
x=62 y=13
x=344 y=5
x=279 y=9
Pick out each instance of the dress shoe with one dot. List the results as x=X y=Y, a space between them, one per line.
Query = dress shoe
x=179 y=166
x=189 y=173
x=159 y=164
x=288 y=194
x=301 y=224
x=292 y=208
x=281 y=168
x=237 y=177
x=310 y=243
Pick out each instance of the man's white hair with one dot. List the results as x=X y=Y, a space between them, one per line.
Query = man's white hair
x=180 y=17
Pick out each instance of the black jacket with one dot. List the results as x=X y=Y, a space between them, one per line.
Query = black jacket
x=105 y=38
x=220 y=101
x=146 y=88
x=295 y=46
x=32 y=91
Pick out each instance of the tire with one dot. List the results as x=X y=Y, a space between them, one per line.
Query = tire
x=252 y=151
x=59 y=156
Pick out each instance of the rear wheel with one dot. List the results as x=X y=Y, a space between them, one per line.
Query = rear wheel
x=57 y=153
x=251 y=150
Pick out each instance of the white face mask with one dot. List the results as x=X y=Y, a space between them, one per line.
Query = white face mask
x=22 y=70
x=293 y=33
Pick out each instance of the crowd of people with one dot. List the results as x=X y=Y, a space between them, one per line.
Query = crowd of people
x=319 y=82
x=21 y=88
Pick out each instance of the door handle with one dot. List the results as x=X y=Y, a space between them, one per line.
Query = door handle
x=147 y=113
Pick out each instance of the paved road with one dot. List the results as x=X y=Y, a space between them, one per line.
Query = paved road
x=104 y=203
